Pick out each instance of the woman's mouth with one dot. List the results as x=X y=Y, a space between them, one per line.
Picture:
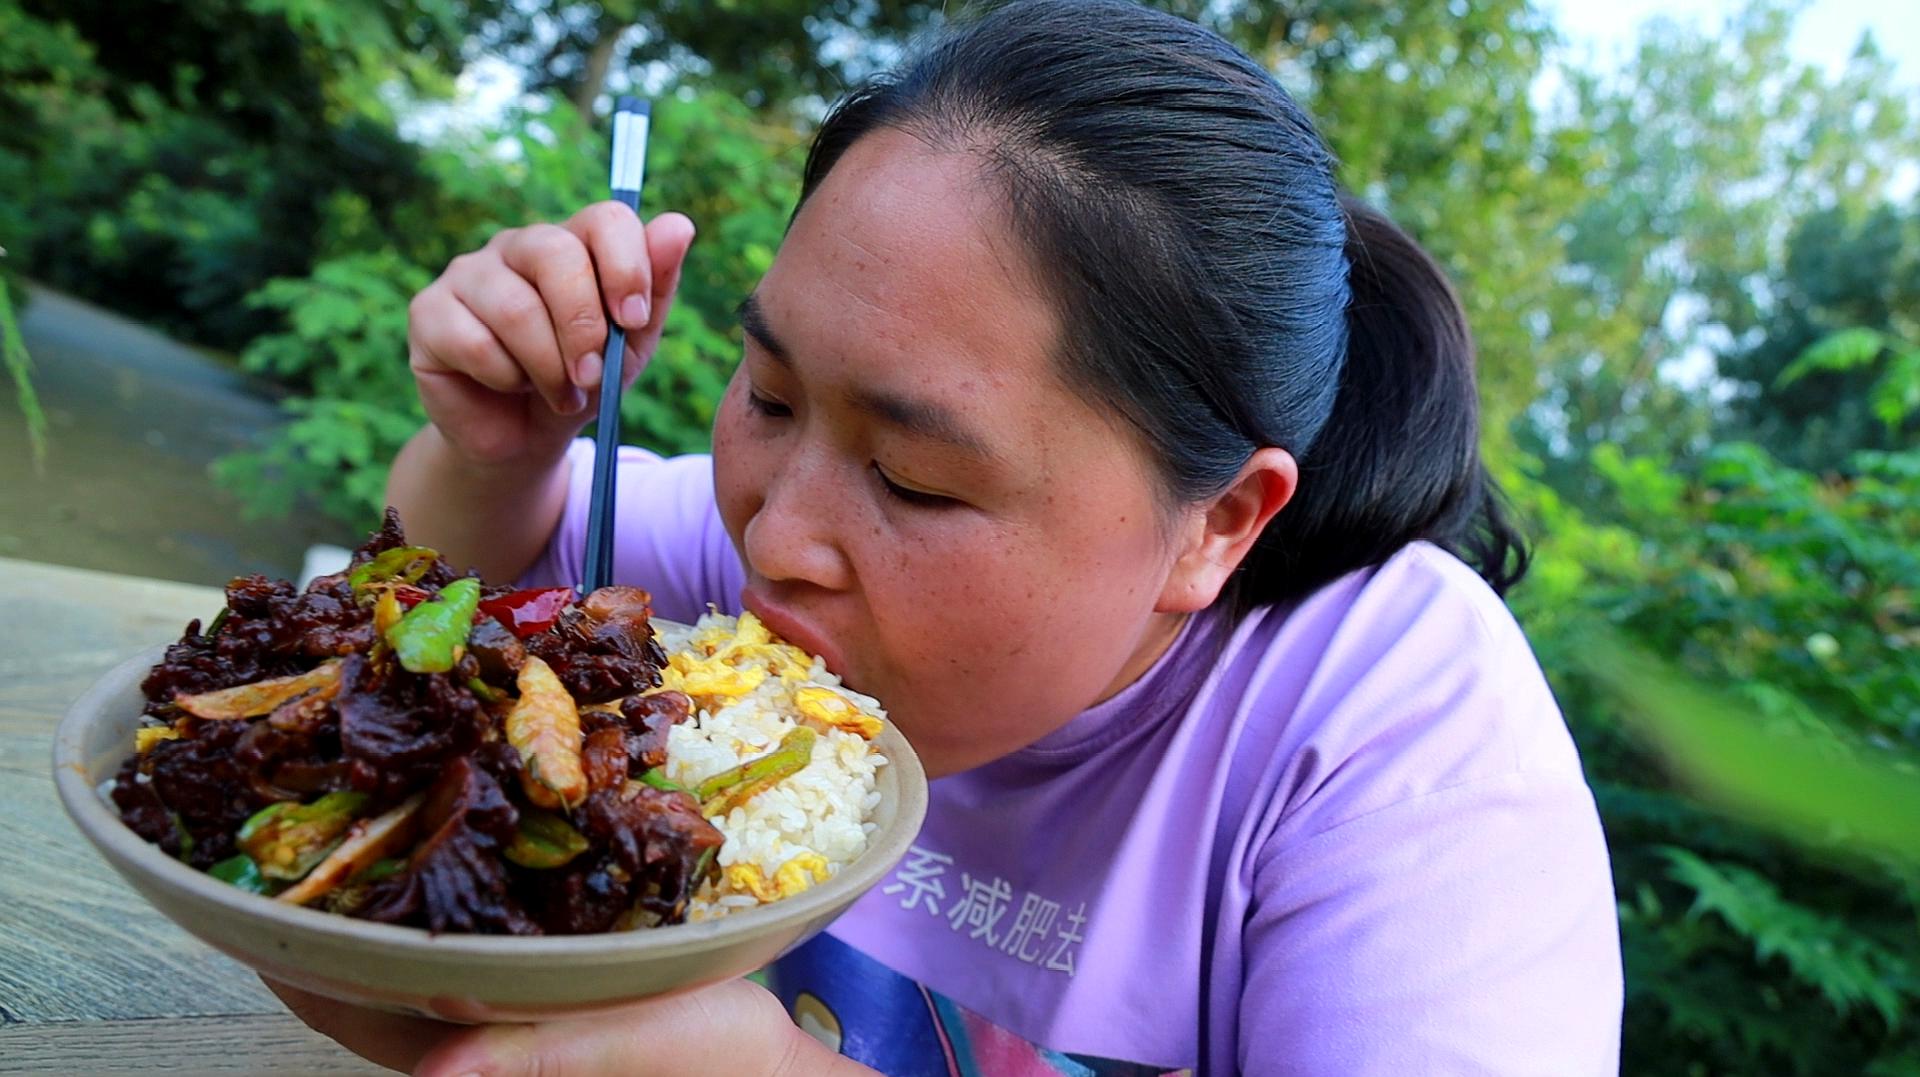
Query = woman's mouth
x=793 y=627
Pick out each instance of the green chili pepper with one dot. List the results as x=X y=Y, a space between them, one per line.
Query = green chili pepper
x=242 y=872
x=405 y=564
x=286 y=839
x=487 y=692
x=381 y=869
x=544 y=840
x=658 y=779
x=185 y=836
x=428 y=637
x=735 y=786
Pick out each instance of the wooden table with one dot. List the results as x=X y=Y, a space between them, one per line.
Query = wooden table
x=92 y=979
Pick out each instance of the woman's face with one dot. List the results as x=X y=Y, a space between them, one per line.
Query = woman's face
x=915 y=493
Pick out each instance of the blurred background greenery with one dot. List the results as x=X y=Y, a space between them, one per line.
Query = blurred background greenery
x=1693 y=270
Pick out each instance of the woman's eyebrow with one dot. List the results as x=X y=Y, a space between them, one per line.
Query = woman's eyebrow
x=920 y=418
x=754 y=321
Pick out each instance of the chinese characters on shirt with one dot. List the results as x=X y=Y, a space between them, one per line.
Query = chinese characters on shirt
x=1038 y=934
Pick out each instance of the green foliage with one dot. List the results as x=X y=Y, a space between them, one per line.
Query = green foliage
x=13 y=356
x=1789 y=783
x=1850 y=971
x=1836 y=367
x=343 y=345
x=767 y=53
x=737 y=177
x=1896 y=395
x=1732 y=210
x=170 y=163
x=1847 y=349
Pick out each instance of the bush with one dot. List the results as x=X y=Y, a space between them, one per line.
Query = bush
x=1746 y=952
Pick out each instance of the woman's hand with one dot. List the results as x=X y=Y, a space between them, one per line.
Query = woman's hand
x=505 y=345
x=734 y=1027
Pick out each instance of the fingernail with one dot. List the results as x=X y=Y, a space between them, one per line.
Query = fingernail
x=586 y=373
x=574 y=402
x=634 y=310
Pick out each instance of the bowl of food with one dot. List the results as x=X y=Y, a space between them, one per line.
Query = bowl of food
x=405 y=789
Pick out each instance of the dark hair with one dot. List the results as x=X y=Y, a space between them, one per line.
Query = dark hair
x=1216 y=289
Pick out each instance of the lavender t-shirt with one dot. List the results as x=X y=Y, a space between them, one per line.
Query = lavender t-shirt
x=1350 y=836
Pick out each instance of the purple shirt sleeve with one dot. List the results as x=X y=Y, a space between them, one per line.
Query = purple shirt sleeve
x=1466 y=931
x=1436 y=895
x=668 y=537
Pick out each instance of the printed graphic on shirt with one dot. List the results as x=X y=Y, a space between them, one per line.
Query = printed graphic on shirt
x=874 y=1015
x=1039 y=934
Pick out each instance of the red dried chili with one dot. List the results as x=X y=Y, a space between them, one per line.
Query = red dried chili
x=530 y=612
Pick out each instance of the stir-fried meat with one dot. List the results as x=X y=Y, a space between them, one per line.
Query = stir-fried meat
x=589 y=895
x=658 y=837
x=455 y=881
x=202 y=784
x=336 y=713
x=397 y=729
x=649 y=719
x=604 y=648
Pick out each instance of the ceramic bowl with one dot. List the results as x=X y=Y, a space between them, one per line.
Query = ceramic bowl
x=453 y=977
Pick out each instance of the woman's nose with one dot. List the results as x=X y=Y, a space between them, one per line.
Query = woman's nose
x=794 y=535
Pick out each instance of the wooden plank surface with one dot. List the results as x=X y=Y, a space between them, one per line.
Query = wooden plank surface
x=92 y=979
x=261 y=1043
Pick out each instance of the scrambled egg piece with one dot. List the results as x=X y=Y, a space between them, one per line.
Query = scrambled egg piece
x=798 y=874
x=146 y=737
x=719 y=667
x=834 y=711
x=711 y=684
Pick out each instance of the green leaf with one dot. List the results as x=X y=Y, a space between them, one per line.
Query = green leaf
x=1850 y=971
x=1846 y=349
x=1815 y=790
x=1896 y=396
x=19 y=366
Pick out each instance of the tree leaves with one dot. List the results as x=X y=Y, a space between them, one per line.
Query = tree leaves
x=13 y=356
x=1847 y=349
x=1826 y=953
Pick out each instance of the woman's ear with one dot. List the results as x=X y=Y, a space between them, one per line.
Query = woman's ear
x=1219 y=533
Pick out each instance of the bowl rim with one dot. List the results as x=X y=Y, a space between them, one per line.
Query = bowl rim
x=124 y=850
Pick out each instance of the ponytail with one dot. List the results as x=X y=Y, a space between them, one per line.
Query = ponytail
x=1398 y=460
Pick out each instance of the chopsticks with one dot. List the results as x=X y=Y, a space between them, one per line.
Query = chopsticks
x=630 y=120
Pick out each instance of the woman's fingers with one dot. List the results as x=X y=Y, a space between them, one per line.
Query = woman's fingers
x=518 y=318
x=734 y=1027
x=556 y=263
x=669 y=236
x=505 y=345
x=617 y=243
x=385 y=1039
x=472 y=389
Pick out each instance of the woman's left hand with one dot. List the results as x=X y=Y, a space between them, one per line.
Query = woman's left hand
x=734 y=1027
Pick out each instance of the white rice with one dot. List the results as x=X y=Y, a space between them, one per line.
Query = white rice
x=823 y=809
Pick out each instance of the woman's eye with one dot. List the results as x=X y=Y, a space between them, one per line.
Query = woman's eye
x=911 y=496
x=771 y=408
